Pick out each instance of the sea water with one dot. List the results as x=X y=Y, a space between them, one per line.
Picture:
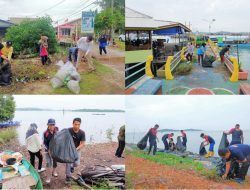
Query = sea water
x=95 y=126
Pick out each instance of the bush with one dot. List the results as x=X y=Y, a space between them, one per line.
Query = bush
x=25 y=36
x=7 y=108
x=7 y=135
x=183 y=69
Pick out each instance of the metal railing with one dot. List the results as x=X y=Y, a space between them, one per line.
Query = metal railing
x=128 y=76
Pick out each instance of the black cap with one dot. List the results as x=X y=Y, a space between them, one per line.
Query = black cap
x=9 y=43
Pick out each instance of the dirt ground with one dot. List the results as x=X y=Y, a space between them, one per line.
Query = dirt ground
x=92 y=154
x=144 y=174
x=104 y=83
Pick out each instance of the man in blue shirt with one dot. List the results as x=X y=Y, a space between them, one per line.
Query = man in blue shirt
x=240 y=153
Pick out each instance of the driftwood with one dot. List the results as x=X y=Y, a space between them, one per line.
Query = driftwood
x=97 y=174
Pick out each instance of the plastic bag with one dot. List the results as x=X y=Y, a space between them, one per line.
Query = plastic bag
x=56 y=83
x=74 y=86
x=203 y=150
x=62 y=147
x=223 y=142
x=142 y=144
x=179 y=145
x=75 y=76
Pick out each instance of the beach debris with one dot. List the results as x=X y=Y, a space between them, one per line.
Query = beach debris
x=67 y=75
x=113 y=176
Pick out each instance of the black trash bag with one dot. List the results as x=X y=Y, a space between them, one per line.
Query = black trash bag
x=203 y=150
x=62 y=147
x=142 y=144
x=224 y=143
x=5 y=74
x=221 y=168
x=179 y=145
x=164 y=137
x=207 y=62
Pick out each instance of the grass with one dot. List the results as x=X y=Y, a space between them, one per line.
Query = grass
x=137 y=56
x=177 y=162
x=7 y=135
x=128 y=178
x=90 y=81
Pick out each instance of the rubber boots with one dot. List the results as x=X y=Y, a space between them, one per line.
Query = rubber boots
x=212 y=154
x=209 y=154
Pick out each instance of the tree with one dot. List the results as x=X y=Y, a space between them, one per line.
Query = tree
x=25 y=36
x=106 y=19
x=7 y=107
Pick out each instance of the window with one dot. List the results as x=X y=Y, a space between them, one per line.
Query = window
x=65 y=31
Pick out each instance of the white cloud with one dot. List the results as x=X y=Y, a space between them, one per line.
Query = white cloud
x=71 y=101
x=181 y=112
x=33 y=8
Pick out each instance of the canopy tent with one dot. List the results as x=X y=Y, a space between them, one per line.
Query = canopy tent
x=169 y=31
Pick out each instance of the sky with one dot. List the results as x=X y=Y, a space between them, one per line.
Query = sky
x=70 y=101
x=33 y=8
x=183 y=112
x=230 y=15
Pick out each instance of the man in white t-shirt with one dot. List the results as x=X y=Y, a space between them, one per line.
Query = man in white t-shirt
x=85 y=45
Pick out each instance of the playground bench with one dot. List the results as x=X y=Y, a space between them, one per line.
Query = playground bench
x=149 y=87
x=244 y=89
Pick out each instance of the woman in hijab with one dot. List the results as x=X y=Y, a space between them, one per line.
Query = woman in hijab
x=34 y=146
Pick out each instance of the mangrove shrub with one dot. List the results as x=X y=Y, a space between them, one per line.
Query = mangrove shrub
x=7 y=107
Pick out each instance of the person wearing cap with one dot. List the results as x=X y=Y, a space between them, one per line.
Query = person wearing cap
x=34 y=146
x=2 y=57
x=237 y=135
x=240 y=153
x=79 y=139
x=50 y=162
x=6 y=52
x=152 y=134
x=208 y=141
x=44 y=49
x=84 y=45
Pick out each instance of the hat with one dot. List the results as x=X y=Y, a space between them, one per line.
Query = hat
x=9 y=43
x=51 y=122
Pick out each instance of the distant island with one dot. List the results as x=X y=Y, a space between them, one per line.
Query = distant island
x=175 y=130
x=69 y=110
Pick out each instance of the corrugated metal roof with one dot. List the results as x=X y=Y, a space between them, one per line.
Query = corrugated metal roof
x=5 y=24
x=137 y=20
